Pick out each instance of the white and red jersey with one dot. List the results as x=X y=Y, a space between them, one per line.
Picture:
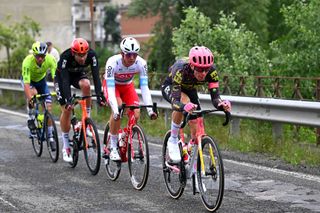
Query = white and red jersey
x=118 y=74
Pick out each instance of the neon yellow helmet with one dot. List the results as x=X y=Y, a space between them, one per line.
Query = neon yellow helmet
x=39 y=48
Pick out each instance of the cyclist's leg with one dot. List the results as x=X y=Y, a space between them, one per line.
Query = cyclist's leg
x=114 y=129
x=129 y=96
x=193 y=95
x=81 y=81
x=63 y=90
x=32 y=91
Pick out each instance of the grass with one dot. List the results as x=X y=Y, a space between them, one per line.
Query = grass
x=297 y=146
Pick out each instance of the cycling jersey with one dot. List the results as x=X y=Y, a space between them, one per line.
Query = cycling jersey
x=31 y=71
x=69 y=72
x=118 y=74
x=181 y=79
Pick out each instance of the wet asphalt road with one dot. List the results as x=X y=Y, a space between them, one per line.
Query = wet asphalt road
x=32 y=184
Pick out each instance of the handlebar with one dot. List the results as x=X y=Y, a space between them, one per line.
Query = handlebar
x=39 y=96
x=73 y=99
x=132 y=107
x=204 y=112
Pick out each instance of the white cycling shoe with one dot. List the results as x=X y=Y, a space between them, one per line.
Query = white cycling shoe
x=114 y=154
x=66 y=154
x=174 y=151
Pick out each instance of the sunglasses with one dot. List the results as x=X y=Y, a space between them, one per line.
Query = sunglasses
x=199 y=69
x=80 y=55
x=38 y=56
x=129 y=55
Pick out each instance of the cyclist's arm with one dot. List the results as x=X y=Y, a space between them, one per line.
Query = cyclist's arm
x=62 y=77
x=213 y=86
x=109 y=76
x=176 y=91
x=146 y=95
x=95 y=73
x=26 y=76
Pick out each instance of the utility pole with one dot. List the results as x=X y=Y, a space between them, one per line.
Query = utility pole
x=93 y=43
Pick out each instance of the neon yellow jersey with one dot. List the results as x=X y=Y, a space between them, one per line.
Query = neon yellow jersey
x=32 y=72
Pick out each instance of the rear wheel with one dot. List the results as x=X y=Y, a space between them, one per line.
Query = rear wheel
x=91 y=147
x=36 y=139
x=113 y=168
x=174 y=174
x=211 y=183
x=53 y=145
x=138 y=158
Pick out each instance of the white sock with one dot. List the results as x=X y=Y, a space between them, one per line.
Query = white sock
x=65 y=140
x=175 y=130
x=50 y=129
x=113 y=141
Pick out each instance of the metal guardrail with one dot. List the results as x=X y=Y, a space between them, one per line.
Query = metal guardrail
x=277 y=111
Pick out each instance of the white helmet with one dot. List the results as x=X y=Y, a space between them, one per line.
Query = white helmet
x=130 y=45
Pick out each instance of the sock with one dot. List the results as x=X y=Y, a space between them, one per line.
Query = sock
x=65 y=140
x=114 y=141
x=50 y=129
x=88 y=111
x=175 y=130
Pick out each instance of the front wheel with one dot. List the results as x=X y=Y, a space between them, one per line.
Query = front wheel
x=113 y=168
x=211 y=180
x=53 y=141
x=138 y=158
x=174 y=174
x=91 y=147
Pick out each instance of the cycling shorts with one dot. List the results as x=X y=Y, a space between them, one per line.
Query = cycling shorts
x=41 y=87
x=126 y=93
x=192 y=94
x=65 y=81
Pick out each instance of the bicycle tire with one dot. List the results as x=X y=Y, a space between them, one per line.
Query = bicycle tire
x=54 y=154
x=175 y=186
x=113 y=168
x=138 y=165
x=211 y=185
x=37 y=141
x=92 y=152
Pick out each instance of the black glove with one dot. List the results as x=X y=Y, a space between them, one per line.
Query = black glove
x=68 y=105
x=31 y=103
x=101 y=100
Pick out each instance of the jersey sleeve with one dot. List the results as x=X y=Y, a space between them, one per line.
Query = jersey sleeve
x=26 y=71
x=95 y=73
x=109 y=77
x=177 y=77
x=213 y=86
x=146 y=95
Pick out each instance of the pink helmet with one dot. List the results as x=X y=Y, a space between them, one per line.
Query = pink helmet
x=201 y=56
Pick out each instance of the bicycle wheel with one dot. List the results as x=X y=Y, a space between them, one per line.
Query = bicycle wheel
x=37 y=139
x=53 y=147
x=174 y=174
x=113 y=168
x=138 y=158
x=91 y=147
x=211 y=183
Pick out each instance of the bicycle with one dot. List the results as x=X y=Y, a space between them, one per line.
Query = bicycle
x=133 y=147
x=205 y=162
x=42 y=122
x=90 y=144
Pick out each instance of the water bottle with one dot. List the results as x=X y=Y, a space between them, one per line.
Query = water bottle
x=40 y=119
x=77 y=127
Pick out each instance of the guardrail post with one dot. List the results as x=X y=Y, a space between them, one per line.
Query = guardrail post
x=235 y=127
x=318 y=98
x=277 y=131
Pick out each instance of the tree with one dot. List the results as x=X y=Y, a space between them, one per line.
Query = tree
x=297 y=53
x=236 y=49
x=17 y=38
x=111 y=25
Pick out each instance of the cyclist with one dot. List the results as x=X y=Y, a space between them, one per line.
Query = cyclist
x=73 y=70
x=118 y=87
x=179 y=89
x=34 y=70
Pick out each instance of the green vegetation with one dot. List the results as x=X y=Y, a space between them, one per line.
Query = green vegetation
x=297 y=147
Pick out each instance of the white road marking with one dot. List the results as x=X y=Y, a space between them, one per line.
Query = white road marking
x=7 y=202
